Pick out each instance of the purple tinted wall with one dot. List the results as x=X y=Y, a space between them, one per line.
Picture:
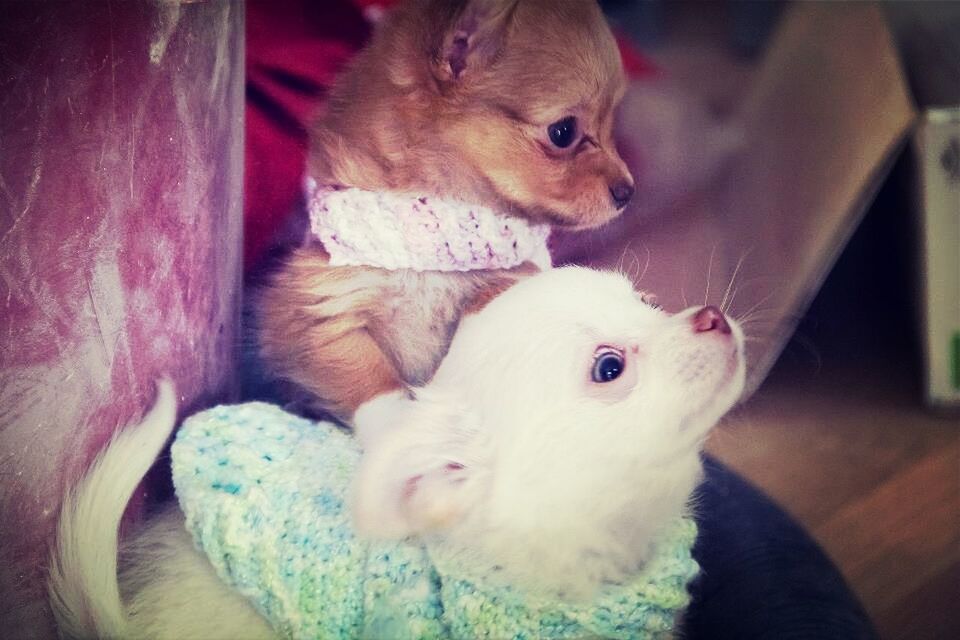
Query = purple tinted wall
x=120 y=242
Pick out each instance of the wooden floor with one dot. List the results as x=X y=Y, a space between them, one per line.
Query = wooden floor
x=875 y=479
x=838 y=434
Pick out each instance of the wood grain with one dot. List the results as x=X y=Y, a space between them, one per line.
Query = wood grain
x=851 y=453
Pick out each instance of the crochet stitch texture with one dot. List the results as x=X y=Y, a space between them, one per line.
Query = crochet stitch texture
x=404 y=231
x=265 y=492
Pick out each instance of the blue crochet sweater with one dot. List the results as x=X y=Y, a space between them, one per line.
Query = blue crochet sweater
x=264 y=494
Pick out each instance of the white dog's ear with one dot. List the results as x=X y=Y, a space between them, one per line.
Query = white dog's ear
x=424 y=465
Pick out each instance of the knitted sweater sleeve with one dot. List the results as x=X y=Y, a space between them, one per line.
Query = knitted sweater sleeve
x=265 y=497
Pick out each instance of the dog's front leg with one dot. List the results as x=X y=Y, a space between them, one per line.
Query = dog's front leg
x=314 y=330
x=346 y=335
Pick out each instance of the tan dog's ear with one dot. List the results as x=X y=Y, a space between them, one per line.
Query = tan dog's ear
x=472 y=39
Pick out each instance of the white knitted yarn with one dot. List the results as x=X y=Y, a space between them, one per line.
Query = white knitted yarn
x=423 y=233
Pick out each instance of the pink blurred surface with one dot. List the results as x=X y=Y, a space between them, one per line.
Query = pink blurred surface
x=120 y=242
x=812 y=129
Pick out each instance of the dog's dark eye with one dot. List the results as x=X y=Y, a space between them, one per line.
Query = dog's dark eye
x=563 y=132
x=651 y=301
x=607 y=366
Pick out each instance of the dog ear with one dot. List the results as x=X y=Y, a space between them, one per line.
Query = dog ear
x=422 y=468
x=472 y=39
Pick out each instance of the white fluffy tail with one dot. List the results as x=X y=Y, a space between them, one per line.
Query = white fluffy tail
x=84 y=593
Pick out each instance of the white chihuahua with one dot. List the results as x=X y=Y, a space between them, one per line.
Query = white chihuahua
x=558 y=438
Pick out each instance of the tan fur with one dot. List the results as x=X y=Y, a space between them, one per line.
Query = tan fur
x=497 y=286
x=347 y=334
x=452 y=98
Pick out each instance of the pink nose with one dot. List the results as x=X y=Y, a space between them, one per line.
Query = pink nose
x=710 y=319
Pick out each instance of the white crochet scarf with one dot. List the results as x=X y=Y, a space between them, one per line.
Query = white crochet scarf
x=423 y=233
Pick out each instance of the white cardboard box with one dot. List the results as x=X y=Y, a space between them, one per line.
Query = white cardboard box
x=937 y=151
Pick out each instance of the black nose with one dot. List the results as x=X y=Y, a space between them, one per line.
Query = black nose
x=710 y=319
x=621 y=192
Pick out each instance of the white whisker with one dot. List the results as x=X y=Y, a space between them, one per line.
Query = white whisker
x=623 y=255
x=706 y=294
x=755 y=307
x=645 y=266
x=727 y=301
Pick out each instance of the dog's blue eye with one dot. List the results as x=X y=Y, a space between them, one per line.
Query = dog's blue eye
x=607 y=366
x=650 y=301
x=563 y=132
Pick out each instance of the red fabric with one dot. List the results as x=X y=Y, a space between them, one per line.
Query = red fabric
x=295 y=48
x=636 y=65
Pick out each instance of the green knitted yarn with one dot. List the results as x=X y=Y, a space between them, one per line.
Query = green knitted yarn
x=265 y=492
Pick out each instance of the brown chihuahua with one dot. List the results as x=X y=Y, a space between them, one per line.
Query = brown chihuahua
x=503 y=104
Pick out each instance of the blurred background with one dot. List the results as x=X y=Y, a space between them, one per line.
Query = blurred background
x=851 y=432
x=797 y=163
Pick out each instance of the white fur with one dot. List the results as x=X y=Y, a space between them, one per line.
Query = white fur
x=166 y=588
x=514 y=456
x=171 y=591
x=83 y=573
x=511 y=456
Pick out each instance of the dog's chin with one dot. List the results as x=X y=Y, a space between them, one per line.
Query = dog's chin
x=579 y=220
x=724 y=397
x=572 y=214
